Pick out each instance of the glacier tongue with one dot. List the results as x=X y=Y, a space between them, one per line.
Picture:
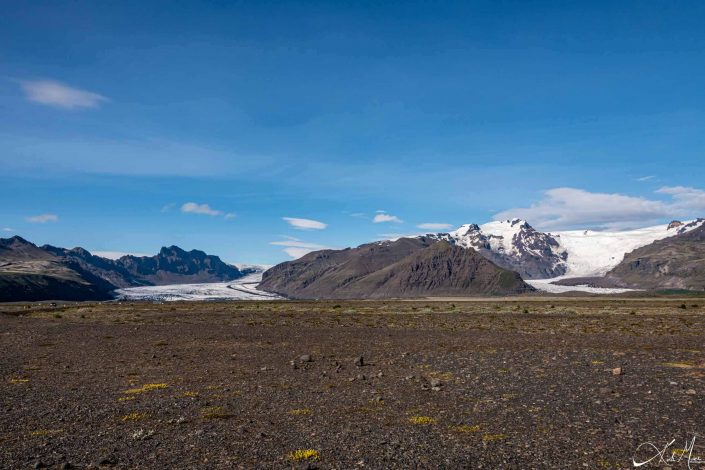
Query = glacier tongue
x=240 y=289
x=594 y=253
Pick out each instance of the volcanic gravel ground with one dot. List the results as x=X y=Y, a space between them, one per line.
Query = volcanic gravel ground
x=519 y=384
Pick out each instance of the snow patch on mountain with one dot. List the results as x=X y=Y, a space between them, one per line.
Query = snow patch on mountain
x=594 y=253
x=516 y=245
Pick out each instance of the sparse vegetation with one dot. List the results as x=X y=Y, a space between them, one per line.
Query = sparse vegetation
x=215 y=412
x=145 y=388
x=422 y=420
x=304 y=454
x=134 y=417
x=466 y=428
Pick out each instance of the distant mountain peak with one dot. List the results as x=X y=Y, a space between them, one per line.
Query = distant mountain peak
x=516 y=245
x=15 y=240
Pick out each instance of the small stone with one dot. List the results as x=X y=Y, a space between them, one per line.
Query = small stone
x=306 y=358
x=435 y=383
x=141 y=434
x=409 y=377
x=378 y=399
x=108 y=460
x=690 y=391
x=436 y=389
x=39 y=464
x=380 y=375
x=617 y=371
x=361 y=377
x=360 y=361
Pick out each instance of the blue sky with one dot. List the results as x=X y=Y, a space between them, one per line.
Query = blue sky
x=129 y=126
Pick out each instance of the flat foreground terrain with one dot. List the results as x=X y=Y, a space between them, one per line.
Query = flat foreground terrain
x=547 y=383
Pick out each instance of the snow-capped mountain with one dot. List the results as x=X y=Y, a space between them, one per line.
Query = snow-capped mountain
x=516 y=245
x=593 y=253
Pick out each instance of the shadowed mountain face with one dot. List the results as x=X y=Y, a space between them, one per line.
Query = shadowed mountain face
x=408 y=267
x=672 y=263
x=28 y=272
x=175 y=266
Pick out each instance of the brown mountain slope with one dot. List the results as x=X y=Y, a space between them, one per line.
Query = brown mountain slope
x=404 y=268
x=672 y=263
x=28 y=272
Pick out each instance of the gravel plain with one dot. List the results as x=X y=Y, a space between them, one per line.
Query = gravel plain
x=522 y=383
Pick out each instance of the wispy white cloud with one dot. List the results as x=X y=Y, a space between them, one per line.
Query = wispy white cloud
x=43 y=218
x=297 y=253
x=382 y=216
x=646 y=178
x=53 y=93
x=8 y=229
x=685 y=198
x=359 y=215
x=168 y=207
x=561 y=208
x=298 y=244
x=397 y=236
x=305 y=224
x=203 y=209
x=434 y=226
x=195 y=208
x=297 y=248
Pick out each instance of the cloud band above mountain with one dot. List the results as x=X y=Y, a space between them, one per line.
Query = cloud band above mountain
x=562 y=208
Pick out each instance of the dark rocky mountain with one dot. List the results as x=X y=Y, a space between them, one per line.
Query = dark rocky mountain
x=107 y=269
x=676 y=262
x=28 y=272
x=175 y=266
x=407 y=267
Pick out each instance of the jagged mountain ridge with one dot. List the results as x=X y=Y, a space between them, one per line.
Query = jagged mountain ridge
x=515 y=245
x=29 y=272
x=176 y=266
